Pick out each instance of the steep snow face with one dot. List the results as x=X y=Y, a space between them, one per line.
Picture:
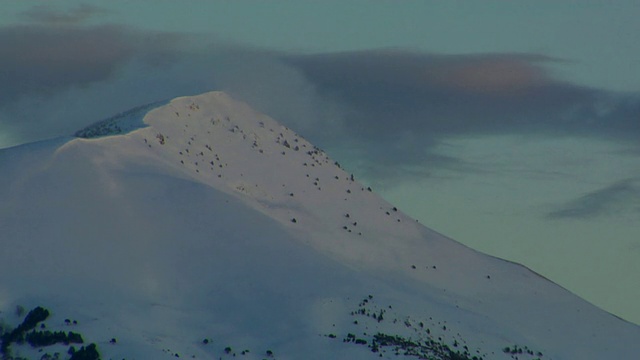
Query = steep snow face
x=225 y=144
x=214 y=221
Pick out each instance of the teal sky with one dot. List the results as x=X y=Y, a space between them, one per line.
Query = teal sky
x=511 y=126
x=596 y=40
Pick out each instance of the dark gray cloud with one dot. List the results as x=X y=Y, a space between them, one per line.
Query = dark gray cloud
x=41 y=60
x=440 y=95
x=399 y=104
x=615 y=199
x=55 y=79
x=46 y=14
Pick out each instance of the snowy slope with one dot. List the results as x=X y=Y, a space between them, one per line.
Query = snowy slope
x=215 y=222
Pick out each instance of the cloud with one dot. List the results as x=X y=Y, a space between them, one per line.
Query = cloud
x=392 y=107
x=45 y=14
x=447 y=94
x=57 y=79
x=40 y=59
x=400 y=104
x=500 y=74
x=615 y=199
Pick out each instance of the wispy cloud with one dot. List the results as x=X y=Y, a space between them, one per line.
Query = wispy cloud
x=620 y=197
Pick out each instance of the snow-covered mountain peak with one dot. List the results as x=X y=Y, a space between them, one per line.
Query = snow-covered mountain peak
x=203 y=219
x=223 y=143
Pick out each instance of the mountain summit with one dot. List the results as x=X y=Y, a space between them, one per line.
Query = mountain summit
x=200 y=228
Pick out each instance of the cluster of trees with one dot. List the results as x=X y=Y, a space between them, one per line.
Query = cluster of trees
x=17 y=335
x=427 y=349
x=515 y=349
x=47 y=338
x=32 y=319
x=90 y=352
x=26 y=332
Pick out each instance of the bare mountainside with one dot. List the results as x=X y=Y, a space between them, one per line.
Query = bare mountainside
x=203 y=229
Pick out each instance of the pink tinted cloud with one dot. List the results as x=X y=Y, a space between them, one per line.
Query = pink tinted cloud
x=493 y=74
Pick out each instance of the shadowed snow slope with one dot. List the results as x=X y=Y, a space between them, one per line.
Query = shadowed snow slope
x=215 y=222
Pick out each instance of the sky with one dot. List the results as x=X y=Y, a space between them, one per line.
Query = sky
x=511 y=127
